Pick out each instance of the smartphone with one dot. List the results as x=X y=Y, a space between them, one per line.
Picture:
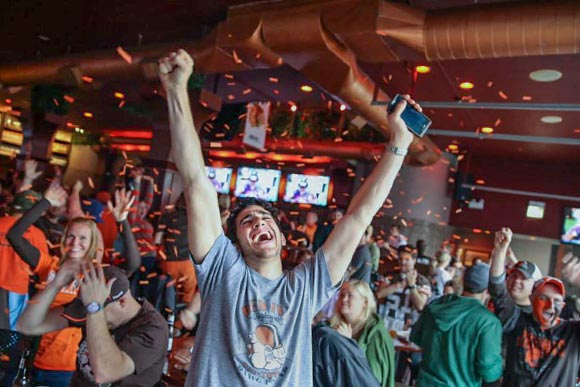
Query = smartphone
x=416 y=122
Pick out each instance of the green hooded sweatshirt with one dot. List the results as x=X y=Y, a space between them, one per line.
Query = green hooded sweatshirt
x=379 y=349
x=461 y=342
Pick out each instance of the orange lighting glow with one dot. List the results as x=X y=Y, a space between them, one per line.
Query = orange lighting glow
x=270 y=156
x=487 y=130
x=119 y=95
x=88 y=114
x=306 y=88
x=422 y=69
x=466 y=85
x=452 y=147
x=131 y=147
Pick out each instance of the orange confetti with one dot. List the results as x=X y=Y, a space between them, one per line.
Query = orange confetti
x=87 y=79
x=236 y=57
x=68 y=98
x=497 y=122
x=247 y=91
x=90 y=181
x=273 y=79
x=502 y=95
x=124 y=54
x=229 y=76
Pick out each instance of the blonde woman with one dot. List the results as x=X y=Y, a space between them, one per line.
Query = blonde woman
x=55 y=359
x=355 y=317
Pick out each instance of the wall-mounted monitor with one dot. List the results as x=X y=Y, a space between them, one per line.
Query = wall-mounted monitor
x=258 y=183
x=307 y=189
x=220 y=178
x=571 y=226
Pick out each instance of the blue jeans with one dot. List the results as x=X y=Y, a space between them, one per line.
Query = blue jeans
x=51 y=378
x=16 y=304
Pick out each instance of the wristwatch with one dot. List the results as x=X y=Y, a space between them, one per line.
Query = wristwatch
x=93 y=307
x=398 y=151
x=411 y=287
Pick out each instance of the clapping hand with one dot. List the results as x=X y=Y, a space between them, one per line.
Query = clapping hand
x=123 y=203
x=56 y=195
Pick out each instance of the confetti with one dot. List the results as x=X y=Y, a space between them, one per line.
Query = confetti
x=124 y=54
x=236 y=58
x=91 y=183
x=502 y=95
x=273 y=79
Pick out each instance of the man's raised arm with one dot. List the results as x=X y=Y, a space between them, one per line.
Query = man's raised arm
x=202 y=206
x=344 y=238
x=501 y=244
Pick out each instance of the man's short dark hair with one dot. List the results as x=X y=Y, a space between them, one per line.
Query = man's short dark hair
x=239 y=206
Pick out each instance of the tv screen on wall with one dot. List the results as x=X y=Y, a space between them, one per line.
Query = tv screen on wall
x=571 y=226
x=307 y=189
x=257 y=183
x=220 y=178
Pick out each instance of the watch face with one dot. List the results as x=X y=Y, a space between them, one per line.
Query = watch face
x=93 y=307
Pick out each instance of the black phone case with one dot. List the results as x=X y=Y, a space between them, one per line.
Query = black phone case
x=416 y=122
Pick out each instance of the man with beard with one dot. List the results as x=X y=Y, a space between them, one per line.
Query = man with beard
x=255 y=319
x=520 y=279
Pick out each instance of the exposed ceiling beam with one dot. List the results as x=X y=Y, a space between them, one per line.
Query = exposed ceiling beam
x=505 y=137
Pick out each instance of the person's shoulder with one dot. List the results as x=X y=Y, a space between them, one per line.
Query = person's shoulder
x=149 y=316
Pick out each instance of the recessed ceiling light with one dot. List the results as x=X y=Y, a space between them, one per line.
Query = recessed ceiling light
x=466 y=85
x=306 y=88
x=422 y=69
x=545 y=75
x=551 y=119
x=487 y=130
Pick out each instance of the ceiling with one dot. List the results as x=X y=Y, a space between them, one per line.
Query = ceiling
x=36 y=30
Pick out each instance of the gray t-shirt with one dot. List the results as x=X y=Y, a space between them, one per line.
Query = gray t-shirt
x=254 y=331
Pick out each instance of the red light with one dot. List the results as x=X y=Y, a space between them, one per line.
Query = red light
x=143 y=134
x=8 y=101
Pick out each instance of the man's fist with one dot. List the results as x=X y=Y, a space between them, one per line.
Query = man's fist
x=503 y=237
x=175 y=70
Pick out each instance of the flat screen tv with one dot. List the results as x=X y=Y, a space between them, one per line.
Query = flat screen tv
x=307 y=189
x=220 y=178
x=258 y=183
x=571 y=226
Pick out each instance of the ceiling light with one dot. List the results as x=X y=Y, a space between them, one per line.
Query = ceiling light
x=551 y=119
x=293 y=108
x=487 y=130
x=422 y=69
x=342 y=107
x=466 y=85
x=306 y=88
x=545 y=75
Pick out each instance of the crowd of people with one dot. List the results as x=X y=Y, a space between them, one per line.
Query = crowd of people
x=267 y=300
